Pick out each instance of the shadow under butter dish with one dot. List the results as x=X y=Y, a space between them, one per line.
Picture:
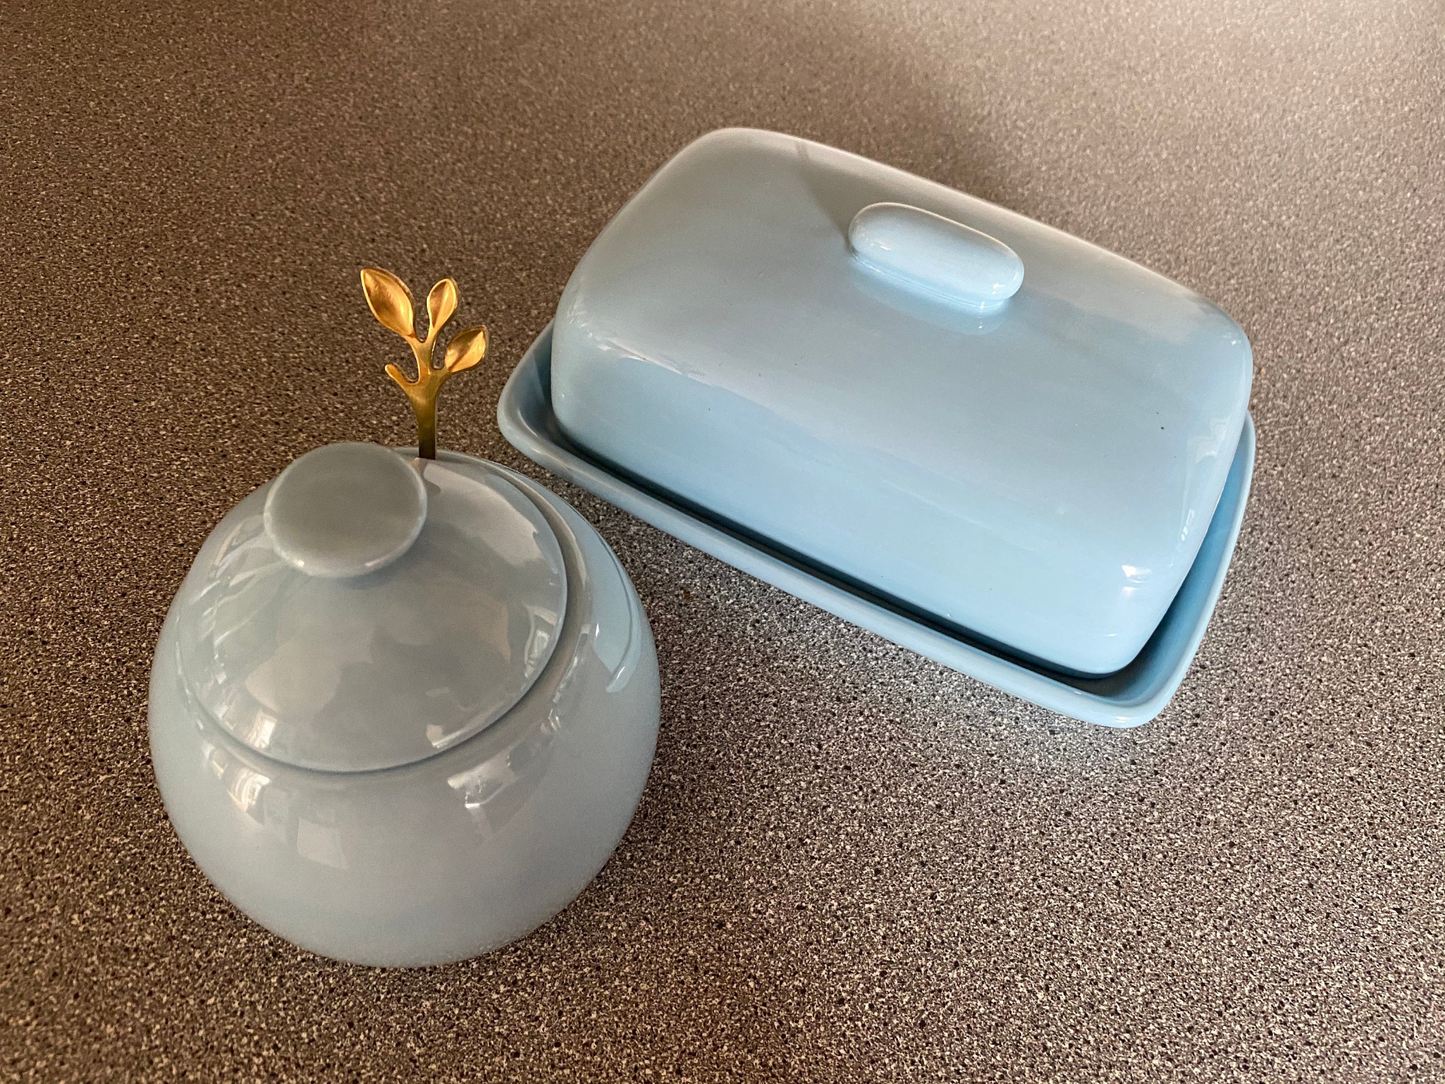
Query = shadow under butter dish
x=420 y=762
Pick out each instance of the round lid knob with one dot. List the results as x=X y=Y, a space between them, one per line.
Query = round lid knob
x=366 y=610
x=345 y=510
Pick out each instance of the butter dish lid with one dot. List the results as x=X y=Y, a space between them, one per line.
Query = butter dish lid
x=366 y=610
x=971 y=414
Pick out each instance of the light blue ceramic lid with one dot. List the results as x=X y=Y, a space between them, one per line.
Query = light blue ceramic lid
x=366 y=610
x=982 y=418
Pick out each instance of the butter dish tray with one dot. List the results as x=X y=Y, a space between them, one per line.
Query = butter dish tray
x=1128 y=697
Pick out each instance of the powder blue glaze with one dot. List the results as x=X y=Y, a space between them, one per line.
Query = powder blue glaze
x=1129 y=697
x=447 y=856
x=943 y=260
x=1041 y=476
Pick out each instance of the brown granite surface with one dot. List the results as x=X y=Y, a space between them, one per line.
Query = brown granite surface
x=850 y=864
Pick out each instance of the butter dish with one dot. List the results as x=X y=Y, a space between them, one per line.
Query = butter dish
x=979 y=424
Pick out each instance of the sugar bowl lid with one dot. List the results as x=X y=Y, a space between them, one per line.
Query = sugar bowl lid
x=366 y=610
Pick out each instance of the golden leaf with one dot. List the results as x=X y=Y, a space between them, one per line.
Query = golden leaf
x=390 y=301
x=466 y=348
x=440 y=304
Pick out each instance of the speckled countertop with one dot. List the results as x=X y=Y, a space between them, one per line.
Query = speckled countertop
x=849 y=864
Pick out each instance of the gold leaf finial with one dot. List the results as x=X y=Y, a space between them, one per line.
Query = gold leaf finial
x=391 y=303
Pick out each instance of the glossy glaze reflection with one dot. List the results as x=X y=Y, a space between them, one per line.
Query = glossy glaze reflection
x=1041 y=477
x=454 y=854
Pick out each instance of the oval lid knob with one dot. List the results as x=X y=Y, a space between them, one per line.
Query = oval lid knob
x=935 y=256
